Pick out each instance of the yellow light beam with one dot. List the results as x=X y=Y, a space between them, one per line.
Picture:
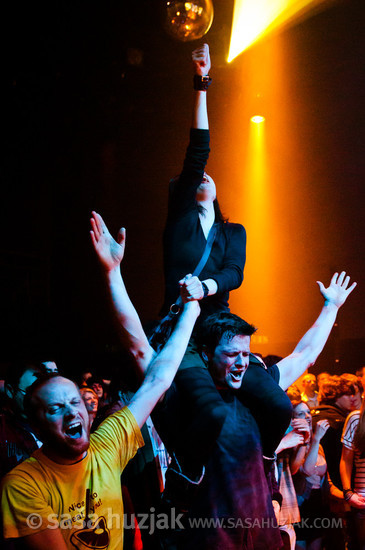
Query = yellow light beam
x=253 y=19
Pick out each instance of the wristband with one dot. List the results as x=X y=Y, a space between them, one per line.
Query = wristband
x=205 y=290
x=201 y=83
x=347 y=494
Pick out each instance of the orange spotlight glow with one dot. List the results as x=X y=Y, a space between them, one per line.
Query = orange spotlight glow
x=253 y=19
x=254 y=199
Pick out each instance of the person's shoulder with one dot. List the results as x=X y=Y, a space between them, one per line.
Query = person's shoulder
x=29 y=467
x=236 y=227
x=122 y=415
x=353 y=417
x=234 y=230
x=330 y=413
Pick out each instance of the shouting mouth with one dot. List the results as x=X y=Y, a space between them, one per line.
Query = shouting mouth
x=74 y=431
x=237 y=375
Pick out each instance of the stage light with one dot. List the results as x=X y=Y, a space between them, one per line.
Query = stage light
x=253 y=19
x=187 y=21
x=257 y=119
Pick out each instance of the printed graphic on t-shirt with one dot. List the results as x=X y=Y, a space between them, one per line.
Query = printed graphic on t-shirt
x=96 y=538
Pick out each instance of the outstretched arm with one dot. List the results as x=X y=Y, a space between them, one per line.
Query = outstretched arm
x=312 y=343
x=183 y=196
x=162 y=369
x=110 y=255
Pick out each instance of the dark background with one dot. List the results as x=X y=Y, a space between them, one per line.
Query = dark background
x=96 y=109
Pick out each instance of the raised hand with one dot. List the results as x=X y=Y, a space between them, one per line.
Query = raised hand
x=300 y=425
x=321 y=428
x=338 y=289
x=109 y=251
x=201 y=60
x=290 y=440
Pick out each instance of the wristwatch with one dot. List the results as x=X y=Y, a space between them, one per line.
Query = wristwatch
x=205 y=290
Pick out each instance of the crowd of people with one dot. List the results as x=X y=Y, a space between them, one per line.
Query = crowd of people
x=211 y=446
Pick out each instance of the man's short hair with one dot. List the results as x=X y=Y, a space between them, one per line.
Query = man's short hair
x=30 y=404
x=219 y=325
x=351 y=383
x=330 y=390
x=335 y=387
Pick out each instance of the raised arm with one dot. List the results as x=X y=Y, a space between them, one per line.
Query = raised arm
x=110 y=255
x=163 y=367
x=310 y=346
x=309 y=464
x=201 y=65
x=182 y=196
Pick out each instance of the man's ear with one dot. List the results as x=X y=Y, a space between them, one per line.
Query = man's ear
x=206 y=354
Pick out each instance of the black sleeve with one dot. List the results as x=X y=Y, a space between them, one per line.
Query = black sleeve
x=274 y=373
x=183 y=191
x=230 y=276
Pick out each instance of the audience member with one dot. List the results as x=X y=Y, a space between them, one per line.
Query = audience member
x=309 y=468
x=353 y=381
x=91 y=401
x=309 y=393
x=289 y=511
x=17 y=440
x=79 y=472
x=352 y=469
x=337 y=399
x=50 y=366
x=204 y=437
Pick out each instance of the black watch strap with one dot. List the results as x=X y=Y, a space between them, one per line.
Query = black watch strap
x=205 y=290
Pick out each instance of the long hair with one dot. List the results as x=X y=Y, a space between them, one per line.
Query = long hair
x=359 y=437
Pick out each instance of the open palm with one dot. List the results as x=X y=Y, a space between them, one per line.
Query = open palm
x=109 y=251
x=338 y=289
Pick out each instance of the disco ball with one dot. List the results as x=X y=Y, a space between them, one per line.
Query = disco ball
x=187 y=21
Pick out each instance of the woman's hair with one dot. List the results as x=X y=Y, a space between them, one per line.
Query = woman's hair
x=294 y=394
x=85 y=389
x=359 y=437
x=217 y=210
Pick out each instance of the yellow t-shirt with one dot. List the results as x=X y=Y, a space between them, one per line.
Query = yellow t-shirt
x=40 y=494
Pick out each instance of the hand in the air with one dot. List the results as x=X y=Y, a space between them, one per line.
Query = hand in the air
x=109 y=251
